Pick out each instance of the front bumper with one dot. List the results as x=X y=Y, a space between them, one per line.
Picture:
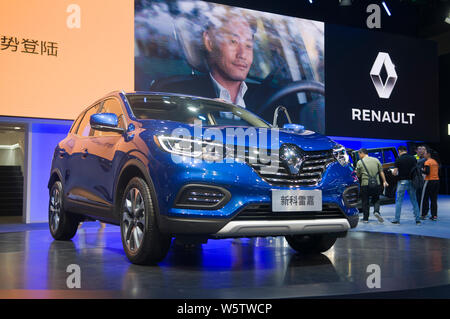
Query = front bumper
x=243 y=189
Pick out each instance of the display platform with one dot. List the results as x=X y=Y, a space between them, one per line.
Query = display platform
x=33 y=265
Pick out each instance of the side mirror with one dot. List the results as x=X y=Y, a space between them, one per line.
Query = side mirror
x=294 y=127
x=105 y=122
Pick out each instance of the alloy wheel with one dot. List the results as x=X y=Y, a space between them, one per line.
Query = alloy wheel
x=133 y=220
x=55 y=209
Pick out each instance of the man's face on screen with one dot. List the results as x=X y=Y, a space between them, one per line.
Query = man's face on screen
x=231 y=49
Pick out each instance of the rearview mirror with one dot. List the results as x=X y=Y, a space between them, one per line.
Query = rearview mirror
x=105 y=122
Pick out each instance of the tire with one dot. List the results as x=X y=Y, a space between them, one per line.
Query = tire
x=142 y=240
x=311 y=244
x=62 y=224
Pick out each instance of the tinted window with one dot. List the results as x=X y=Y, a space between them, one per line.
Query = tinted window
x=378 y=155
x=389 y=156
x=75 y=124
x=187 y=110
x=85 y=128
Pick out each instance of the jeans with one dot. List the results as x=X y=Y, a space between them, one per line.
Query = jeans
x=402 y=187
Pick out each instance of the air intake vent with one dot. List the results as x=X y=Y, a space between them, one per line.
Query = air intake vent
x=202 y=197
x=264 y=212
x=351 y=196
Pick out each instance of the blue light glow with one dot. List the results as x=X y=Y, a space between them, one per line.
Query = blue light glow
x=356 y=142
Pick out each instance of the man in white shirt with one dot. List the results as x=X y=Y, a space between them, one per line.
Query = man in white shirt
x=229 y=51
x=228 y=48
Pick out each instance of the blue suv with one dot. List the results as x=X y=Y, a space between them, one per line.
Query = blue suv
x=167 y=165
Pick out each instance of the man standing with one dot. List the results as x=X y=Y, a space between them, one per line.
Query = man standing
x=403 y=167
x=431 y=187
x=366 y=168
x=420 y=157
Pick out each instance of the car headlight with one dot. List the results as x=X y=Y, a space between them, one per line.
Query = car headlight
x=183 y=146
x=341 y=155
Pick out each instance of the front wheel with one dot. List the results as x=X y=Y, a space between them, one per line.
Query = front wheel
x=142 y=240
x=63 y=225
x=310 y=244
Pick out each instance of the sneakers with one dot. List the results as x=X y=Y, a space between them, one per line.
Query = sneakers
x=433 y=218
x=365 y=221
x=378 y=216
x=395 y=222
x=423 y=217
x=418 y=223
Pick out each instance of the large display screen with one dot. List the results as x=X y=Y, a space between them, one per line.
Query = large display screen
x=255 y=59
x=380 y=85
x=58 y=56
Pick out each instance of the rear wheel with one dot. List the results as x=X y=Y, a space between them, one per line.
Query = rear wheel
x=141 y=238
x=63 y=225
x=310 y=244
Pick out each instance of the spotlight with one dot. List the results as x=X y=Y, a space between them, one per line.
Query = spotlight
x=447 y=19
x=386 y=8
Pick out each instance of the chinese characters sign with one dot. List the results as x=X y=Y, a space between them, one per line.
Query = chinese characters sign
x=28 y=46
x=296 y=200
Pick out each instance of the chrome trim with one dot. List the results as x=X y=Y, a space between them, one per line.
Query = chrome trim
x=311 y=172
x=246 y=228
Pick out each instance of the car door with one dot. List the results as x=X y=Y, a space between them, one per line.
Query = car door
x=78 y=173
x=390 y=155
x=105 y=158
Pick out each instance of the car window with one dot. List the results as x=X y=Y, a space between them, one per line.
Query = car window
x=85 y=127
x=189 y=110
x=76 y=123
x=378 y=155
x=389 y=156
x=112 y=105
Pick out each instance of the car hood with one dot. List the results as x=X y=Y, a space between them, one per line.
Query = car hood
x=240 y=135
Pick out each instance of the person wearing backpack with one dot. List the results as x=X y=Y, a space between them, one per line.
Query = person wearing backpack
x=431 y=187
x=404 y=165
x=369 y=171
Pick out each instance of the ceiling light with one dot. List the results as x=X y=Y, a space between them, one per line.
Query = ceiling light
x=386 y=8
x=345 y=2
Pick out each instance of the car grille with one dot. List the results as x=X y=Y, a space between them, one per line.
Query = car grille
x=310 y=174
x=264 y=212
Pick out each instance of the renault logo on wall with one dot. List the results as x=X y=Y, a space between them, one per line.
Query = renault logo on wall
x=384 y=90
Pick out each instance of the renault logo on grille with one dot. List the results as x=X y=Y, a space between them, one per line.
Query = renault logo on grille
x=292 y=157
x=384 y=90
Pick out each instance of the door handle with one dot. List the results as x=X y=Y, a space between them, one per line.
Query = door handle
x=85 y=153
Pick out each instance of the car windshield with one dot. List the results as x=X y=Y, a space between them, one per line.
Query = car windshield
x=188 y=109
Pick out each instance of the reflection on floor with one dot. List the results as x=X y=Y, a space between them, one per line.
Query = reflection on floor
x=10 y=219
x=34 y=265
x=439 y=228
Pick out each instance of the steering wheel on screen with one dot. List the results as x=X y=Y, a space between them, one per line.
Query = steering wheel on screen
x=294 y=87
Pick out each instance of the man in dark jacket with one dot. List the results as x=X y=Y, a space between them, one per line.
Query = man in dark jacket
x=403 y=167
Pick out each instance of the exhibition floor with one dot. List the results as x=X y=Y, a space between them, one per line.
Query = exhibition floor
x=33 y=265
